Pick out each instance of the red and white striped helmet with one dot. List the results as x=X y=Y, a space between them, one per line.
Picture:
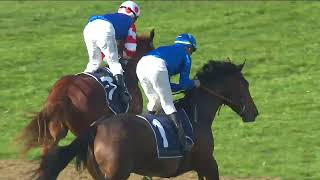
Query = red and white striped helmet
x=130 y=8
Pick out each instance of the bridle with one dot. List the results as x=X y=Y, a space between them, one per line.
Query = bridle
x=221 y=97
x=224 y=99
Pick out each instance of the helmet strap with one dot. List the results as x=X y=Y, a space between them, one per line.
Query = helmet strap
x=190 y=49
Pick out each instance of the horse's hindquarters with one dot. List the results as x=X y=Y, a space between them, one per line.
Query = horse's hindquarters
x=125 y=144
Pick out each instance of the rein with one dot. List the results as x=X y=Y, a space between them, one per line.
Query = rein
x=217 y=95
x=243 y=108
x=211 y=92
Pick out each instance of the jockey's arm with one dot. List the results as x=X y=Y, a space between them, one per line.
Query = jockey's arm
x=185 y=83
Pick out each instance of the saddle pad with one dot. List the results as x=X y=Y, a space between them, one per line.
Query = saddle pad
x=165 y=134
x=112 y=94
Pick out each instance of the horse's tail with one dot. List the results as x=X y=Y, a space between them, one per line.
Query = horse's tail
x=37 y=133
x=58 y=158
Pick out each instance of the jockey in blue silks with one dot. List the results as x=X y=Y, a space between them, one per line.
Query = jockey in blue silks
x=154 y=71
x=101 y=35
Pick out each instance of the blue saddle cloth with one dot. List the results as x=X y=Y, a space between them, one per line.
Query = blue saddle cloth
x=112 y=94
x=168 y=145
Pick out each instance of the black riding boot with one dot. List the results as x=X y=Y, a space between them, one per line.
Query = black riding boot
x=151 y=112
x=125 y=95
x=178 y=125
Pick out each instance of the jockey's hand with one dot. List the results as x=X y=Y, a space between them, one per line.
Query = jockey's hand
x=196 y=83
x=123 y=61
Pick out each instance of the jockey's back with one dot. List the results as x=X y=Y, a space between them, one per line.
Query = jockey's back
x=175 y=56
x=120 y=22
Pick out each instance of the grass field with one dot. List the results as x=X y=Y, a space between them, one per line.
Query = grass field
x=42 y=41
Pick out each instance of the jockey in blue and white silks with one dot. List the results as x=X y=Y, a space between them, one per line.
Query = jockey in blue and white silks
x=155 y=69
x=101 y=35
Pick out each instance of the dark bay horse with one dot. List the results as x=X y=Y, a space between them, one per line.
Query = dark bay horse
x=124 y=143
x=76 y=101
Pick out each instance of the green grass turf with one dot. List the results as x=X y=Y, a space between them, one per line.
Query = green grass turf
x=41 y=41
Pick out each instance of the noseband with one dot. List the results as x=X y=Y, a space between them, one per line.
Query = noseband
x=224 y=99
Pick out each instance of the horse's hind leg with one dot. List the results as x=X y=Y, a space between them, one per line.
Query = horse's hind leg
x=111 y=172
x=114 y=162
x=113 y=167
x=57 y=131
x=92 y=167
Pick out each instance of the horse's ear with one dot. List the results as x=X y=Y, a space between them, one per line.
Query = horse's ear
x=152 y=34
x=240 y=66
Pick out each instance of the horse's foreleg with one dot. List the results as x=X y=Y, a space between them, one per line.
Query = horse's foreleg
x=212 y=172
x=207 y=168
x=200 y=177
x=146 y=178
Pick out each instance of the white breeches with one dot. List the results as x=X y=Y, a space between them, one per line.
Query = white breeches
x=153 y=76
x=99 y=36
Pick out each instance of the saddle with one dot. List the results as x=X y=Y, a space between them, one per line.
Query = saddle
x=165 y=134
x=112 y=93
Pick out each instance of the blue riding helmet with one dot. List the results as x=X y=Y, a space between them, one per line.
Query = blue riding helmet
x=188 y=40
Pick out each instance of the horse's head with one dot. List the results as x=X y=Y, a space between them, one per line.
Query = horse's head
x=225 y=81
x=144 y=44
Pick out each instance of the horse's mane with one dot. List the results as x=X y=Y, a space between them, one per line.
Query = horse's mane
x=216 y=70
x=213 y=70
x=143 y=36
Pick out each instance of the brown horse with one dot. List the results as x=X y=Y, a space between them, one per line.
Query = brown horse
x=76 y=101
x=124 y=143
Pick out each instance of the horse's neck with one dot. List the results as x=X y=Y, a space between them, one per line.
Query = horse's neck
x=130 y=73
x=207 y=118
x=206 y=110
